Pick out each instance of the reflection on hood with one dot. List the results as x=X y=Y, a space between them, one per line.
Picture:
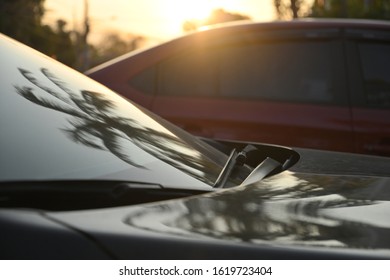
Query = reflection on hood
x=286 y=209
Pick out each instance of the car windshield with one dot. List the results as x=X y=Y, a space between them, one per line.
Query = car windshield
x=56 y=124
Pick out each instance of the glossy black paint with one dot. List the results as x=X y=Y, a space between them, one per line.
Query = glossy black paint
x=290 y=215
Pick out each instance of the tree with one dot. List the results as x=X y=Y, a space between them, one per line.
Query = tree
x=113 y=45
x=22 y=20
x=64 y=47
x=288 y=8
x=374 y=9
x=216 y=16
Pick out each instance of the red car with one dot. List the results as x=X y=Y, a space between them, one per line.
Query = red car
x=321 y=84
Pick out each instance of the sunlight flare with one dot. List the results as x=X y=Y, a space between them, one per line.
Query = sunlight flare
x=186 y=10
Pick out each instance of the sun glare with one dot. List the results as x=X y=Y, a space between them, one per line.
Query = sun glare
x=155 y=19
x=198 y=10
x=188 y=10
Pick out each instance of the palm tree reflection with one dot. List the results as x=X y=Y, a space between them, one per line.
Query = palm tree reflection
x=96 y=123
x=288 y=213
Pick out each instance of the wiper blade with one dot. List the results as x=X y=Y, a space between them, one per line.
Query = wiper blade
x=85 y=194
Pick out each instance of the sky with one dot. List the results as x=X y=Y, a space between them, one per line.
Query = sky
x=158 y=20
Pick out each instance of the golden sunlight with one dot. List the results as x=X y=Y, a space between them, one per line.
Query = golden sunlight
x=181 y=11
x=190 y=15
x=156 y=19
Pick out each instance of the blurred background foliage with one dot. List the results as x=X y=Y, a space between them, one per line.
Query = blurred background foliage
x=369 y=9
x=22 y=20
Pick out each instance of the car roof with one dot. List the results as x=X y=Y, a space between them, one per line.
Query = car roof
x=235 y=27
x=303 y=22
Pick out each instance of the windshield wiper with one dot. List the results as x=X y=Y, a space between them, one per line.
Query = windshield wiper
x=227 y=169
x=85 y=194
x=238 y=159
x=235 y=159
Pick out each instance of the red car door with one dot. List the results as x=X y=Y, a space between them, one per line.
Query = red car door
x=369 y=65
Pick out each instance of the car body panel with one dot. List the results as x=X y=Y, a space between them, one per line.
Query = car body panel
x=372 y=129
x=370 y=110
x=300 y=214
x=293 y=215
x=269 y=121
x=29 y=234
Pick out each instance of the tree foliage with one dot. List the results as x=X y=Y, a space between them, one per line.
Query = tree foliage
x=216 y=16
x=113 y=45
x=22 y=20
x=374 y=9
x=288 y=8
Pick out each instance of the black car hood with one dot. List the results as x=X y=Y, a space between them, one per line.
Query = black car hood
x=289 y=215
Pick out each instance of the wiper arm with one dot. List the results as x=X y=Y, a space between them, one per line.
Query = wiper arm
x=235 y=159
x=226 y=170
x=264 y=169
